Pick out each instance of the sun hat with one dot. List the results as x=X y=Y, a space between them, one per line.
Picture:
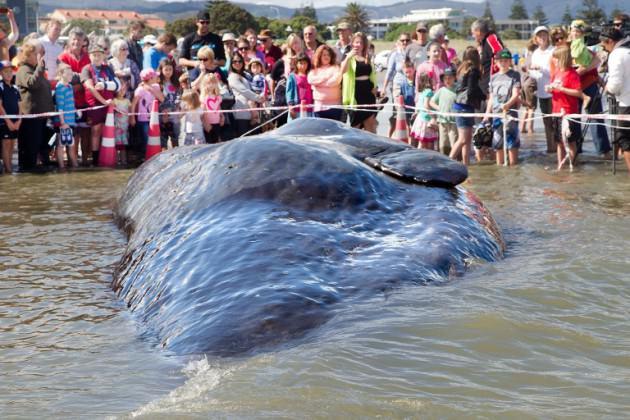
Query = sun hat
x=578 y=24
x=228 y=36
x=343 y=26
x=94 y=48
x=149 y=39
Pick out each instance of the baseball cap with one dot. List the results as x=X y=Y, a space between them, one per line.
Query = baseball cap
x=503 y=54
x=421 y=26
x=149 y=39
x=540 y=28
x=578 y=24
x=94 y=48
x=203 y=15
x=6 y=63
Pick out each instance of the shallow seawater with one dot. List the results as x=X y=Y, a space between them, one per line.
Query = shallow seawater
x=542 y=333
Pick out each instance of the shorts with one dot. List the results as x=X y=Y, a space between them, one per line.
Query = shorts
x=6 y=134
x=622 y=135
x=81 y=120
x=575 y=130
x=96 y=116
x=513 y=140
x=464 y=122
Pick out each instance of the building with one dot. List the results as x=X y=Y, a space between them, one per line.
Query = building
x=25 y=14
x=453 y=18
x=114 y=21
x=524 y=27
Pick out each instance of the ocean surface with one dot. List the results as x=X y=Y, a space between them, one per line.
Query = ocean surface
x=541 y=333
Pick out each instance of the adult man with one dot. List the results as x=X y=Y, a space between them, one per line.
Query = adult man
x=272 y=52
x=52 y=48
x=202 y=37
x=135 y=49
x=416 y=51
x=165 y=44
x=618 y=83
x=540 y=70
x=310 y=40
x=437 y=33
x=490 y=45
x=342 y=46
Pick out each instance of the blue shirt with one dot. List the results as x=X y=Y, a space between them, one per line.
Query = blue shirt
x=152 y=58
x=64 y=101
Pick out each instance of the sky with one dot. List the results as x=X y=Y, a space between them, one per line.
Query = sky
x=323 y=3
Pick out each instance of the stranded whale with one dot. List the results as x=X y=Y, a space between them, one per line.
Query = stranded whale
x=239 y=247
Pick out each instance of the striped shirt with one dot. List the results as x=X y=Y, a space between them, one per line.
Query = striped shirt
x=64 y=100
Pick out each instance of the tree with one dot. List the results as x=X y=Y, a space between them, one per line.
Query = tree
x=466 y=24
x=181 y=27
x=306 y=11
x=540 y=15
x=518 y=10
x=88 y=26
x=487 y=14
x=591 y=13
x=396 y=29
x=510 y=34
x=227 y=16
x=566 y=17
x=615 y=11
x=356 y=16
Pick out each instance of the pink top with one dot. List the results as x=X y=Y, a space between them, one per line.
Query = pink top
x=305 y=92
x=433 y=70
x=213 y=104
x=450 y=55
x=326 y=84
x=145 y=102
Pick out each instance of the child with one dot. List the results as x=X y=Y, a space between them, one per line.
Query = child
x=211 y=103
x=143 y=98
x=443 y=101
x=258 y=86
x=121 y=122
x=169 y=123
x=191 y=123
x=299 y=89
x=434 y=67
x=10 y=99
x=406 y=88
x=66 y=122
x=565 y=94
x=423 y=133
x=505 y=92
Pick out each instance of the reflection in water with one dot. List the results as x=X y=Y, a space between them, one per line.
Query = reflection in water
x=542 y=333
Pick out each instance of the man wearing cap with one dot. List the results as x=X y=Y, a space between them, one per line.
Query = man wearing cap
x=165 y=44
x=540 y=70
x=618 y=83
x=490 y=45
x=272 y=52
x=343 y=45
x=202 y=37
x=416 y=51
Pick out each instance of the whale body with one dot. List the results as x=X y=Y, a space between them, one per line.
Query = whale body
x=247 y=245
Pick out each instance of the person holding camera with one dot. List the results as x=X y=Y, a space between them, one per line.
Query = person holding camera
x=618 y=83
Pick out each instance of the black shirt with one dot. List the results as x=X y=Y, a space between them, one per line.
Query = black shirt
x=193 y=42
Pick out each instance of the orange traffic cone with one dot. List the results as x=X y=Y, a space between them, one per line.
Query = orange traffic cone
x=401 y=132
x=153 y=145
x=107 y=155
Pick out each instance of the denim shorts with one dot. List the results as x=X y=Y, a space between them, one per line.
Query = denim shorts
x=464 y=122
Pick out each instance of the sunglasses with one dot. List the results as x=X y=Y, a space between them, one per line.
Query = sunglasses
x=618 y=24
x=204 y=59
x=204 y=22
x=243 y=48
x=124 y=49
x=237 y=62
x=422 y=31
x=405 y=40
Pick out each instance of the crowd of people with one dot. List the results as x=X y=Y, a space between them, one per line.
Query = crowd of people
x=212 y=88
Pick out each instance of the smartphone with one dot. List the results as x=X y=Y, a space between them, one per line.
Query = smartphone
x=4 y=10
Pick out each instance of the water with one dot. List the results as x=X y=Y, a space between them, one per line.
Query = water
x=542 y=333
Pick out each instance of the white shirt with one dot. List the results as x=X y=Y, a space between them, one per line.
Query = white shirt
x=542 y=60
x=52 y=52
x=619 y=74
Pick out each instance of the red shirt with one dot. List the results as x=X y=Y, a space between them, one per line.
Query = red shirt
x=76 y=66
x=561 y=101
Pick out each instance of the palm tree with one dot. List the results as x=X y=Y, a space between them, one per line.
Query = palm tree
x=356 y=16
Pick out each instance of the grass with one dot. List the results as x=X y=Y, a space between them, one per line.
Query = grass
x=515 y=46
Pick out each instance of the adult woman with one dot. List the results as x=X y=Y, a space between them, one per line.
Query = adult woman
x=359 y=84
x=325 y=79
x=100 y=84
x=243 y=94
x=77 y=58
x=124 y=68
x=207 y=64
x=252 y=39
x=394 y=75
x=244 y=49
x=468 y=99
x=35 y=91
x=540 y=70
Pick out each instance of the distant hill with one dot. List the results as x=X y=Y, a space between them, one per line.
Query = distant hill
x=175 y=10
